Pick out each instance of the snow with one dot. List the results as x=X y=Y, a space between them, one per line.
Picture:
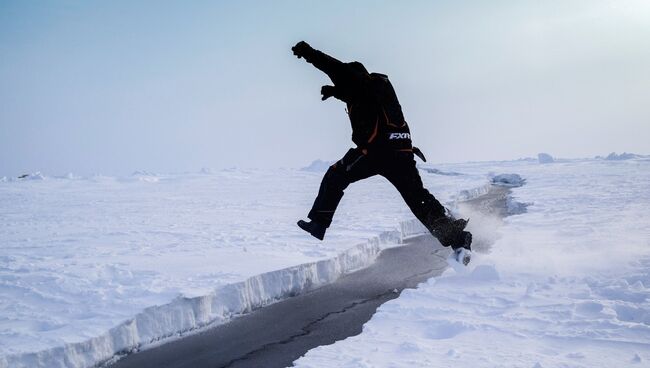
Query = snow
x=545 y=158
x=184 y=314
x=566 y=284
x=622 y=156
x=318 y=166
x=432 y=170
x=514 y=207
x=508 y=180
x=93 y=266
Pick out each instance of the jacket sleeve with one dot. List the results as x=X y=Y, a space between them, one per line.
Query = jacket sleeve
x=335 y=69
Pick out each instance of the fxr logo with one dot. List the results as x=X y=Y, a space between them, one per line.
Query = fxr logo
x=399 y=136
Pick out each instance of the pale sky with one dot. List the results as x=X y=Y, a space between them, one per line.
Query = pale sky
x=116 y=86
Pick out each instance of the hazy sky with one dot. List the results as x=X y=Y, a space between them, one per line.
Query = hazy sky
x=116 y=86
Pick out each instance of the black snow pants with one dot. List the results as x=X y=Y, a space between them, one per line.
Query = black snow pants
x=396 y=166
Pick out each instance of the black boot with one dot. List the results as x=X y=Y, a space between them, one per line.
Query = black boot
x=317 y=230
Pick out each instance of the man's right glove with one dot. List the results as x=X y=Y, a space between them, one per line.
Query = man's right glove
x=327 y=92
x=301 y=49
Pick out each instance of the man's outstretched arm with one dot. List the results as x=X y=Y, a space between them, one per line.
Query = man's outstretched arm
x=335 y=69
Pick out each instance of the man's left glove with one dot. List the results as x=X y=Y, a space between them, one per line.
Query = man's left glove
x=301 y=49
x=327 y=92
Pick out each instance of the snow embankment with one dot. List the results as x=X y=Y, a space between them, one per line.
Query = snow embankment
x=503 y=180
x=83 y=261
x=186 y=314
x=567 y=284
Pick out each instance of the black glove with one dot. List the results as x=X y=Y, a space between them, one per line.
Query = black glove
x=327 y=92
x=301 y=49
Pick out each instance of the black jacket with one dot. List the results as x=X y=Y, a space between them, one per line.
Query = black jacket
x=372 y=105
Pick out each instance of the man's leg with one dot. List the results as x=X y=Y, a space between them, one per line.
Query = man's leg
x=399 y=168
x=352 y=167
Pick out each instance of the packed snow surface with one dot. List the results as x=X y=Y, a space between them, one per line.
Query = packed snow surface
x=103 y=264
x=566 y=284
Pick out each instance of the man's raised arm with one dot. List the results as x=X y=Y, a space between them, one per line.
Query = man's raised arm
x=335 y=69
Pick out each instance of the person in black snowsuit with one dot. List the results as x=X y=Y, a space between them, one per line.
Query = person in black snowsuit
x=383 y=147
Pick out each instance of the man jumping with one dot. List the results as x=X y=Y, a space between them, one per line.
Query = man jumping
x=383 y=147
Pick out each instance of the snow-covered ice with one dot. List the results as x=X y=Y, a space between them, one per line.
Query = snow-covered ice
x=317 y=166
x=545 y=158
x=566 y=284
x=143 y=257
x=622 y=156
x=117 y=262
x=508 y=180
